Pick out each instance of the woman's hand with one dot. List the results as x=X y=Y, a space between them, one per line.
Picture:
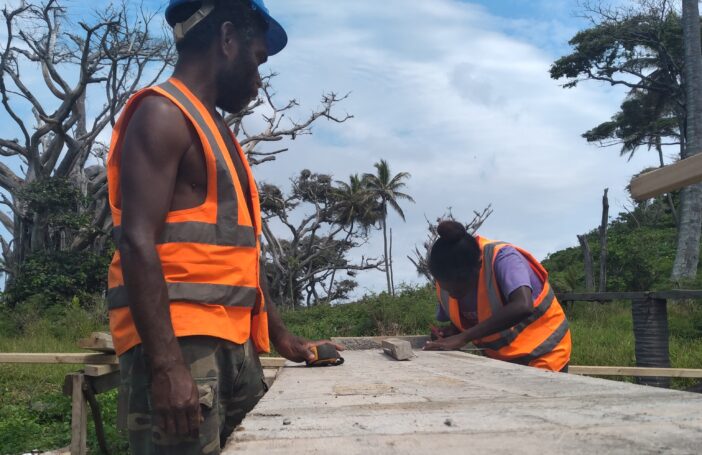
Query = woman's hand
x=452 y=343
x=443 y=332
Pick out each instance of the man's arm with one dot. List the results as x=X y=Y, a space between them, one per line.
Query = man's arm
x=294 y=348
x=157 y=138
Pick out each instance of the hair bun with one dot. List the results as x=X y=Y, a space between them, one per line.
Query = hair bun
x=451 y=231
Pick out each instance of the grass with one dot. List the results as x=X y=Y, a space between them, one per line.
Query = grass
x=604 y=335
x=34 y=414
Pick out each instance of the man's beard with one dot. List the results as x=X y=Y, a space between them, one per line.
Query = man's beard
x=235 y=87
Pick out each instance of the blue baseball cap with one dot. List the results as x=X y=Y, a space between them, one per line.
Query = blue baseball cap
x=276 y=37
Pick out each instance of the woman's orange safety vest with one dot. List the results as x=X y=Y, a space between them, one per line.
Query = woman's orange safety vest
x=542 y=340
x=210 y=254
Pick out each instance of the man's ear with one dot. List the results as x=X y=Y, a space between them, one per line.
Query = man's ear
x=229 y=41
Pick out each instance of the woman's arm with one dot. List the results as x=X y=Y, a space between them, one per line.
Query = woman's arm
x=519 y=307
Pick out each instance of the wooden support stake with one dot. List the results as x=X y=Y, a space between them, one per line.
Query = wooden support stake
x=398 y=349
x=79 y=416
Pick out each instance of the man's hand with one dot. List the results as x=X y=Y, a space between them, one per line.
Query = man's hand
x=452 y=343
x=297 y=349
x=176 y=401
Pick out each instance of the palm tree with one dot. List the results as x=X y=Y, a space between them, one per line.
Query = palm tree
x=385 y=189
x=354 y=204
x=687 y=257
x=645 y=119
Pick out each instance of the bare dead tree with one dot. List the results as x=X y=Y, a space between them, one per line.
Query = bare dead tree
x=390 y=264
x=638 y=46
x=603 y=242
x=587 y=262
x=314 y=278
x=88 y=72
x=420 y=257
x=89 y=69
x=303 y=263
x=279 y=124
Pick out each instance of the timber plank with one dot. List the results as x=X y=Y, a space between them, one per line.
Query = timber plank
x=669 y=178
x=673 y=294
x=102 y=384
x=100 y=370
x=58 y=358
x=98 y=341
x=677 y=294
x=636 y=371
x=600 y=296
x=272 y=362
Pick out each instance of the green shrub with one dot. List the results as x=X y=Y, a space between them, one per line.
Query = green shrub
x=410 y=312
x=53 y=277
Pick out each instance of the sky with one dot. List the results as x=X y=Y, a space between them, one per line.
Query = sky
x=458 y=94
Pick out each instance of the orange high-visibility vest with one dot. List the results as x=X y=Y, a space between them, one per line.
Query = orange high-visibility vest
x=542 y=340
x=209 y=254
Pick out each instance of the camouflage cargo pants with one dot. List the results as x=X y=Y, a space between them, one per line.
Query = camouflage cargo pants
x=230 y=381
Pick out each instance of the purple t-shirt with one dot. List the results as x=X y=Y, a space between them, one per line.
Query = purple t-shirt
x=512 y=271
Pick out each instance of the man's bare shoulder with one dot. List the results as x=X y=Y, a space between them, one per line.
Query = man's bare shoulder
x=158 y=125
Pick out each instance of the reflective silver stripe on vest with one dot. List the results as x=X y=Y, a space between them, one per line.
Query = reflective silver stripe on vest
x=194 y=232
x=445 y=302
x=545 y=347
x=226 y=231
x=215 y=294
x=508 y=336
x=493 y=293
x=495 y=301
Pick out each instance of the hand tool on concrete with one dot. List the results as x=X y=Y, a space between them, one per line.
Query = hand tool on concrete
x=325 y=355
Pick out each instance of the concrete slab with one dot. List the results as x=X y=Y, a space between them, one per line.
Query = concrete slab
x=363 y=343
x=461 y=402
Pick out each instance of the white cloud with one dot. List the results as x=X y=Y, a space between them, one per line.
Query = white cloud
x=463 y=101
x=440 y=90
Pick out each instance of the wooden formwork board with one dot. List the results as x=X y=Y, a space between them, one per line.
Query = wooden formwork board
x=669 y=178
x=636 y=371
